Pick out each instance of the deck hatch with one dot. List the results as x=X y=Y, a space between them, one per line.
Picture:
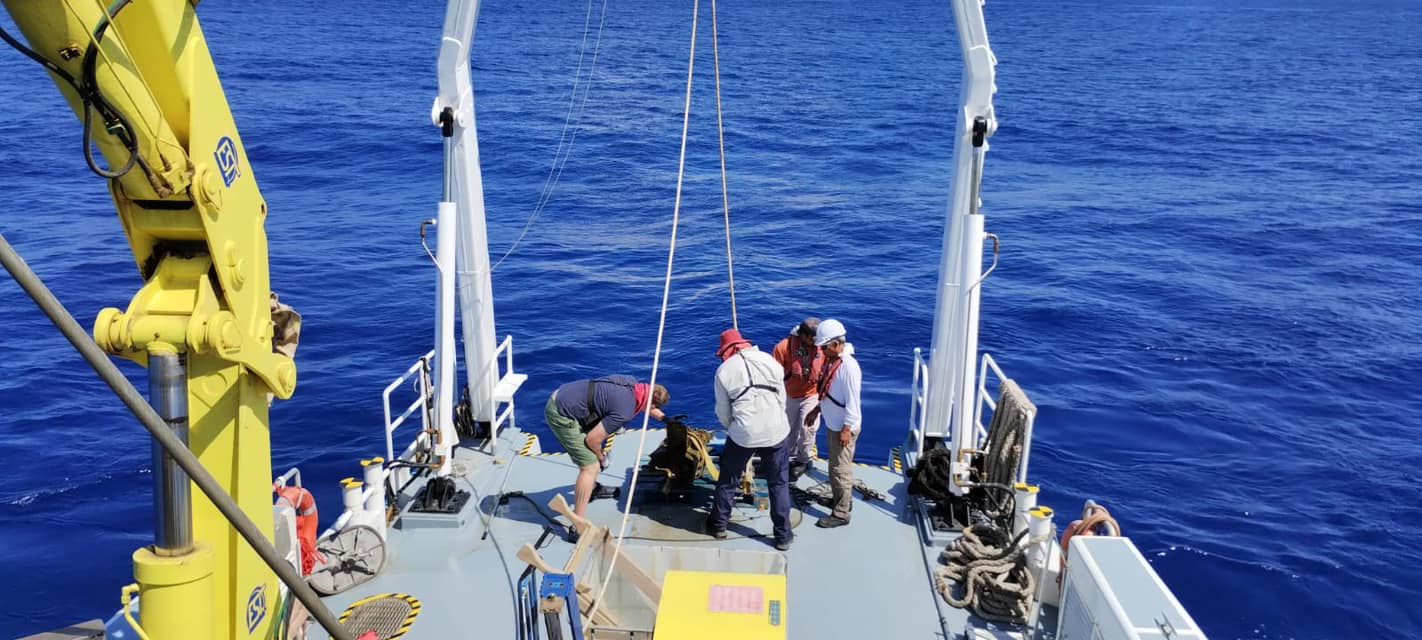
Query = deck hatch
x=389 y=615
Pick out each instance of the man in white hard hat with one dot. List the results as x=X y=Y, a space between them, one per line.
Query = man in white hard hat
x=839 y=385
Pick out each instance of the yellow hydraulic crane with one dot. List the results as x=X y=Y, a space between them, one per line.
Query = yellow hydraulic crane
x=140 y=78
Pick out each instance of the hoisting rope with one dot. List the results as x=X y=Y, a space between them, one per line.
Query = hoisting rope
x=661 y=323
x=561 y=153
x=721 y=137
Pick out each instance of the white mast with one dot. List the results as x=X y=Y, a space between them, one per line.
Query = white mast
x=464 y=186
x=462 y=243
x=948 y=412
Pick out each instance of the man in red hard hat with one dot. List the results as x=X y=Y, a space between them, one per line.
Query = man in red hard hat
x=750 y=403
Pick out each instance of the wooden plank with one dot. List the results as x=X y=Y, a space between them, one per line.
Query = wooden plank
x=594 y=535
x=638 y=577
x=603 y=618
x=530 y=556
x=560 y=505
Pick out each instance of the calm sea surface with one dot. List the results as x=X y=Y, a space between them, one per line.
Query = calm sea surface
x=1210 y=213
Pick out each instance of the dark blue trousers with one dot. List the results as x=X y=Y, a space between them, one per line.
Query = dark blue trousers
x=775 y=468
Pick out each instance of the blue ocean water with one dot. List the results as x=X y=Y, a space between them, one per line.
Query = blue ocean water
x=1211 y=224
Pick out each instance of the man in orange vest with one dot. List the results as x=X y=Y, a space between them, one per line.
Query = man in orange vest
x=802 y=361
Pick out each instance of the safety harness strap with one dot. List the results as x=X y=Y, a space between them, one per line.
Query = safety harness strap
x=751 y=377
x=825 y=381
x=593 y=416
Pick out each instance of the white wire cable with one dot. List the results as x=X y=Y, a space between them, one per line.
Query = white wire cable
x=662 y=323
x=555 y=170
x=725 y=195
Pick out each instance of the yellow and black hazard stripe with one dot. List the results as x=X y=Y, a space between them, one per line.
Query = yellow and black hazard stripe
x=404 y=625
x=528 y=445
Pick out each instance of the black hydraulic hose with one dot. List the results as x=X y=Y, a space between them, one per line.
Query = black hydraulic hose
x=43 y=61
x=504 y=497
x=87 y=88
x=1010 y=512
x=93 y=99
x=156 y=427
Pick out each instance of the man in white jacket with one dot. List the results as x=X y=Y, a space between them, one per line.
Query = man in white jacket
x=750 y=403
x=839 y=405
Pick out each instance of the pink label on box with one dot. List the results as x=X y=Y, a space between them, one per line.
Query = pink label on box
x=735 y=599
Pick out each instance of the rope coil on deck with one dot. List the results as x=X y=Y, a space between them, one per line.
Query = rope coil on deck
x=992 y=570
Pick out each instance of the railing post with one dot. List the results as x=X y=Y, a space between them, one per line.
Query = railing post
x=915 y=402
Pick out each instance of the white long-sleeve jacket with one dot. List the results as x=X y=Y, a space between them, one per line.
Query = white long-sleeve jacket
x=840 y=407
x=754 y=416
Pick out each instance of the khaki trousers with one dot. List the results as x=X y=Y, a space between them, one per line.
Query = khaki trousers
x=802 y=438
x=841 y=473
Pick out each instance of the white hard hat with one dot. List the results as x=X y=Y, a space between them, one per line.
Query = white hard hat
x=828 y=331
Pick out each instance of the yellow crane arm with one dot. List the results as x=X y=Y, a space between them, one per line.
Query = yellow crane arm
x=141 y=80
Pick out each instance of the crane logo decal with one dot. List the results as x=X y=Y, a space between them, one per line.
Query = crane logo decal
x=226 y=156
x=256 y=607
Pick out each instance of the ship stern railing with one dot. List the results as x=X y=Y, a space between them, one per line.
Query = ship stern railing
x=504 y=390
x=988 y=388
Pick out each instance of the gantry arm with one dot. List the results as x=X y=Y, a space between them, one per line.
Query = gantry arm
x=186 y=196
x=141 y=80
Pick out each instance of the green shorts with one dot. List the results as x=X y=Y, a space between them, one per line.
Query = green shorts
x=568 y=432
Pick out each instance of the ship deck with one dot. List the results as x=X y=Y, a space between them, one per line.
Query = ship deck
x=868 y=579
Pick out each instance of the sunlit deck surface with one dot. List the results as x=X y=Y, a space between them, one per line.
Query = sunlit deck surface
x=866 y=580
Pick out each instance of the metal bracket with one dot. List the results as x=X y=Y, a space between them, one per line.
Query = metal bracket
x=556 y=595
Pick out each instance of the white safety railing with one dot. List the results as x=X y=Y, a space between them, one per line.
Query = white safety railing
x=283 y=479
x=420 y=371
x=986 y=399
x=398 y=474
x=508 y=384
x=918 y=396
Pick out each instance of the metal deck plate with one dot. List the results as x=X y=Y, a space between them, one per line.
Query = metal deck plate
x=466 y=579
x=388 y=614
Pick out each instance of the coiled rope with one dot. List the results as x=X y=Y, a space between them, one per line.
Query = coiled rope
x=986 y=561
x=661 y=323
x=992 y=570
x=1095 y=520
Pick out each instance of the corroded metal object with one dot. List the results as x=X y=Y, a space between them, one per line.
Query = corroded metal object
x=683 y=455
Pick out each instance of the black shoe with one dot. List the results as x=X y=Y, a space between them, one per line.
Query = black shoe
x=718 y=533
x=782 y=545
x=798 y=469
x=830 y=522
x=602 y=492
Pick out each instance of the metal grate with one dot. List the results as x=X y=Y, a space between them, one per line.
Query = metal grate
x=389 y=615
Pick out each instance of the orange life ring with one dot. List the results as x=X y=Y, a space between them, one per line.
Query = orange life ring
x=304 y=504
